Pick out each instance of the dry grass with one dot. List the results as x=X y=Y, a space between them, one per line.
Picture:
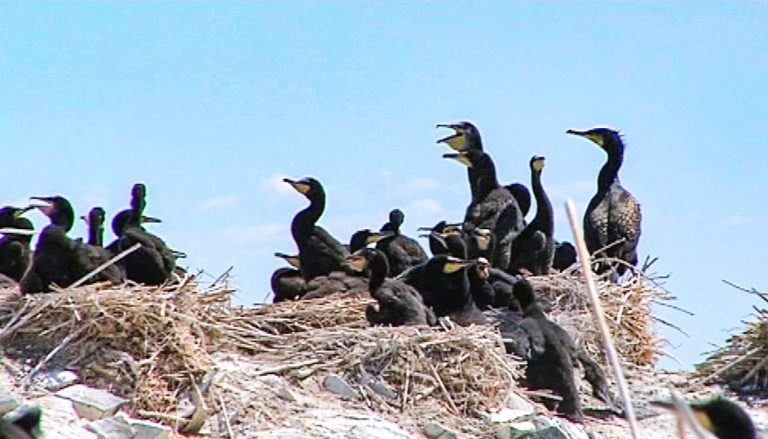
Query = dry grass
x=153 y=345
x=743 y=361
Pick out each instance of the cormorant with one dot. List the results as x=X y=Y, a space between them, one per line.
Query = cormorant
x=493 y=207
x=401 y=251
x=95 y=223
x=365 y=237
x=465 y=137
x=612 y=219
x=444 y=286
x=724 y=418
x=479 y=286
x=565 y=255
x=445 y=239
x=154 y=262
x=15 y=251
x=522 y=195
x=59 y=259
x=552 y=355
x=287 y=283
x=534 y=248
x=399 y=304
x=319 y=252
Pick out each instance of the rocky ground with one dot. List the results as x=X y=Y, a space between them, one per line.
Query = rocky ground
x=268 y=405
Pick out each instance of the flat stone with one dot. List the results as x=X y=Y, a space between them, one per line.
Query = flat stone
x=92 y=404
x=149 y=430
x=547 y=433
x=337 y=385
x=8 y=402
x=115 y=427
x=60 y=420
x=377 y=386
x=433 y=430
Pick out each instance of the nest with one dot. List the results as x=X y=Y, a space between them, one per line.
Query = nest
x=154 y=345
x=742 y=362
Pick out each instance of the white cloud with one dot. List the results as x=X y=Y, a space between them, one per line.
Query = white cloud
x=419 y=184
x=219 y=202
x=275 y=184
x=425 y=206
x=256 y=232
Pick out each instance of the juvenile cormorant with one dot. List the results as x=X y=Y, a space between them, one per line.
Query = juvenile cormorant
x=319 y=252
x=444 y=286
x=565 y=255
x=399 y=304
x=15 y=251
x=724 y=418
x=493 y=207
x=534 y=248
x=401 y=251
x=154 y=262
x=551 y=355
x=613 y=216
x=287 y=283
x=59 y=259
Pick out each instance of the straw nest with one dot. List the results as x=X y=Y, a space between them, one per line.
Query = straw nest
x=154 y=345
x=742 y=362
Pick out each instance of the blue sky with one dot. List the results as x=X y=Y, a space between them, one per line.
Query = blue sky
x=210 y=104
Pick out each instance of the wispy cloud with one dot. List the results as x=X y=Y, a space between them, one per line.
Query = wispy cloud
x=256 y=232
x=425 y=206
x=219 y=202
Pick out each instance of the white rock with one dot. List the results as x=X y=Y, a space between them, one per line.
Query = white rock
x=90 y=403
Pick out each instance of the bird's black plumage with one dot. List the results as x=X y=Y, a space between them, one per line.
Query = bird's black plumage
x=153 y=263
x=565 y=255
x=286 y=282
x=551 y=355
x=446 y=239
x=60 y=260
x=15 y=250
x=534 y=248
x=319 y=252
x=402 y=252
x=522 y=196
x=492 y=207
x=398 y=303
x=612 y=219
x=465 y=137
x=23 y=424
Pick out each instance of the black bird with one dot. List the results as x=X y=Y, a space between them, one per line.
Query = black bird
x=445 y=239
x=287 y=283
x=480 y=287
x=465 y=137
x=319 y=252
x=153 y=263
x=15 y=251
x=61 y=260
x=399 y=304
x=346 y=281
x=401 y=251
x=25 y=424
x=444 y=286
x=724 y=418
x=612 y=219
x=522 y=195
x=493 y=207
x=95 y=222
x=551 y=355
x=534 y=248
x=565 y=255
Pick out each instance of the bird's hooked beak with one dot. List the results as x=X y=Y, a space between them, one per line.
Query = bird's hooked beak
x=483 y=238
x=375 y=237
x=44 y=204
x=299 y=186
x=459 y=157
x=594 y=137
x=149 y=219
x=454 y=264
x=292 y=260
x=21 y=211
x=457 y=140
x=356 y=261
x=86 y=219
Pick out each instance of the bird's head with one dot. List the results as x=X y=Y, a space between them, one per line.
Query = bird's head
x=537 y=163
x=608 y=139
x=465 y=136
x=308 y=186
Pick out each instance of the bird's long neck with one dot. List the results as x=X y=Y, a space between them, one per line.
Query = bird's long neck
x=379 y=270
x=544 y=212
x=486 y=178
x=610 y=170
x=304 y=221
x=64 y=218
x=533 y=310
x=96 y=234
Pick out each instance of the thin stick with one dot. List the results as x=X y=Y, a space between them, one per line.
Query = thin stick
x=28 y=380
x=684 y=412
x=602 y=326
x=101 y=267
x=230 y=433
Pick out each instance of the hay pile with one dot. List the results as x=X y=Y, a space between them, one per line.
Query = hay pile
x=743 y=362
x=154 y=345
